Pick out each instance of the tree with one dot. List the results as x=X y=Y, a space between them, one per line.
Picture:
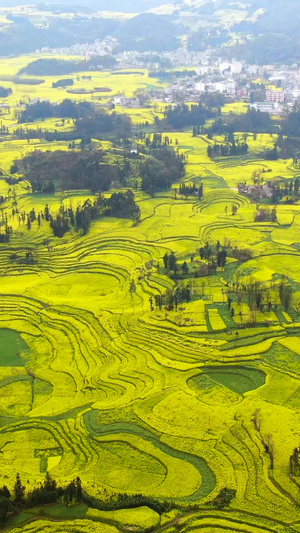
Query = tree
x=5 y=492
x=295 y=462
x=19 y=490
x=14 y=168
x=185 y=268
x=224 y=498
x=285 y=294
x=183 y=116
x=271 y=155
x=122 y=205
x=153 y=179
x=49 y=483
x=221 y=258
x=164 y=167
x=166 y=260
x=78 y=485
x=60 y=225
x=187 y=294
x=172 y=262
x=70 y=492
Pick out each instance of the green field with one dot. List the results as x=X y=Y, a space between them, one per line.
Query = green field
x=235 y=378
x=175 y=405
x=11 y=347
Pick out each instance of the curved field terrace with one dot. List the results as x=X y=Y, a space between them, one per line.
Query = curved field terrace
x=171 y=383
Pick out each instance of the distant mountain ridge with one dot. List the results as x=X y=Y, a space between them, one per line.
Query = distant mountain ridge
x=274 y=13
x=129 y=6
x=266 y=30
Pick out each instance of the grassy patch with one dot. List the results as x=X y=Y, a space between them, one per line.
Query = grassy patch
x=236 y=378
x=11 y=347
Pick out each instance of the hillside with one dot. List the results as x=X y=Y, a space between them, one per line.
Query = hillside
x=149 y=324
x=277 y=17
x=137 y=33
x=212 y=23
x=131 y=6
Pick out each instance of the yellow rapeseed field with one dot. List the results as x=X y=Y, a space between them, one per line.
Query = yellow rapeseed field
x=174 y=404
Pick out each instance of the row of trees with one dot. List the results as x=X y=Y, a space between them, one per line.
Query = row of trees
x=198 y=130
x=289 y=189
x=48 y=492
x=27 y=133
x=171 y=299
x=57 y=67
x=119 y=205
x=191 y=189
x=215 y=257
x=265 y=213
x=260 y=297
x=157 y=140
x=45 y=109
x=66 y=82
x=227 y=150
x=252 y=121
x=6 y=232
x=99 y=123
x=183 y=116
x=295 y=463
x=129 y=501
x=287 y=144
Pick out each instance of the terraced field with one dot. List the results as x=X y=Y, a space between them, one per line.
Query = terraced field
x=84 y=85
x=175 y=405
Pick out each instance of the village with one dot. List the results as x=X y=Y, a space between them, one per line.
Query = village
x=268 y=88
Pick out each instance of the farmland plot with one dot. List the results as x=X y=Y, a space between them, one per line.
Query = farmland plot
x=176 y=404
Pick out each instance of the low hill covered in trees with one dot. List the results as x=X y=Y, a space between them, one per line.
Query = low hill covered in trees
x=68 y=170
x=161 y=169
x=59 y=67
x=89 y=121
